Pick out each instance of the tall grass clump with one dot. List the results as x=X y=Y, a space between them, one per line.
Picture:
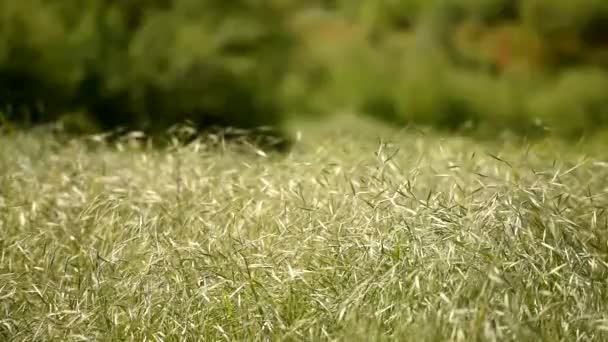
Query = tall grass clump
x=409 y=237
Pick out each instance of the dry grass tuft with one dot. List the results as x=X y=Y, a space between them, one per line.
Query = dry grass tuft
x=414 y=238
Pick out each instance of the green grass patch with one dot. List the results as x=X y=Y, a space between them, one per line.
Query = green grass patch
x=360 y=233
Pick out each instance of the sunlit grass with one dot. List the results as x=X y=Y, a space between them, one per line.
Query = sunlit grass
x=358 y=234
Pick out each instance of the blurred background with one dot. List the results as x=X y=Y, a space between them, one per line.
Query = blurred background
x=485 y=66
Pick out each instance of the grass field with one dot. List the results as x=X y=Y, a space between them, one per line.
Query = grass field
x=360 y=233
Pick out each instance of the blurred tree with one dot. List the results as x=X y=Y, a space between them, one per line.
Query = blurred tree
x=144 y=64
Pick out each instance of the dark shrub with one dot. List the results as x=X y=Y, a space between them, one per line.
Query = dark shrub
x=143 y=64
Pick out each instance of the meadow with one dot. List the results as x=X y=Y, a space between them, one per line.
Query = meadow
x=359 y=233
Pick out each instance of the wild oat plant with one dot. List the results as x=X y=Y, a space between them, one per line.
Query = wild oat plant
x=347 y=237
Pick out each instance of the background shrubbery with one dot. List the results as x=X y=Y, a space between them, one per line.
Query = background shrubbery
x=484 y=65
x=142 y=64
x=525 y=66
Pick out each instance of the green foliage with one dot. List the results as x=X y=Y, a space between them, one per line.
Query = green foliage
x=364 y=76
x=423 y=94
x=145 y=64
x=554 y=18
x=576 y=103
x=5 y=125
x=429 y=89
x=483 y=65
x=568 y=28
